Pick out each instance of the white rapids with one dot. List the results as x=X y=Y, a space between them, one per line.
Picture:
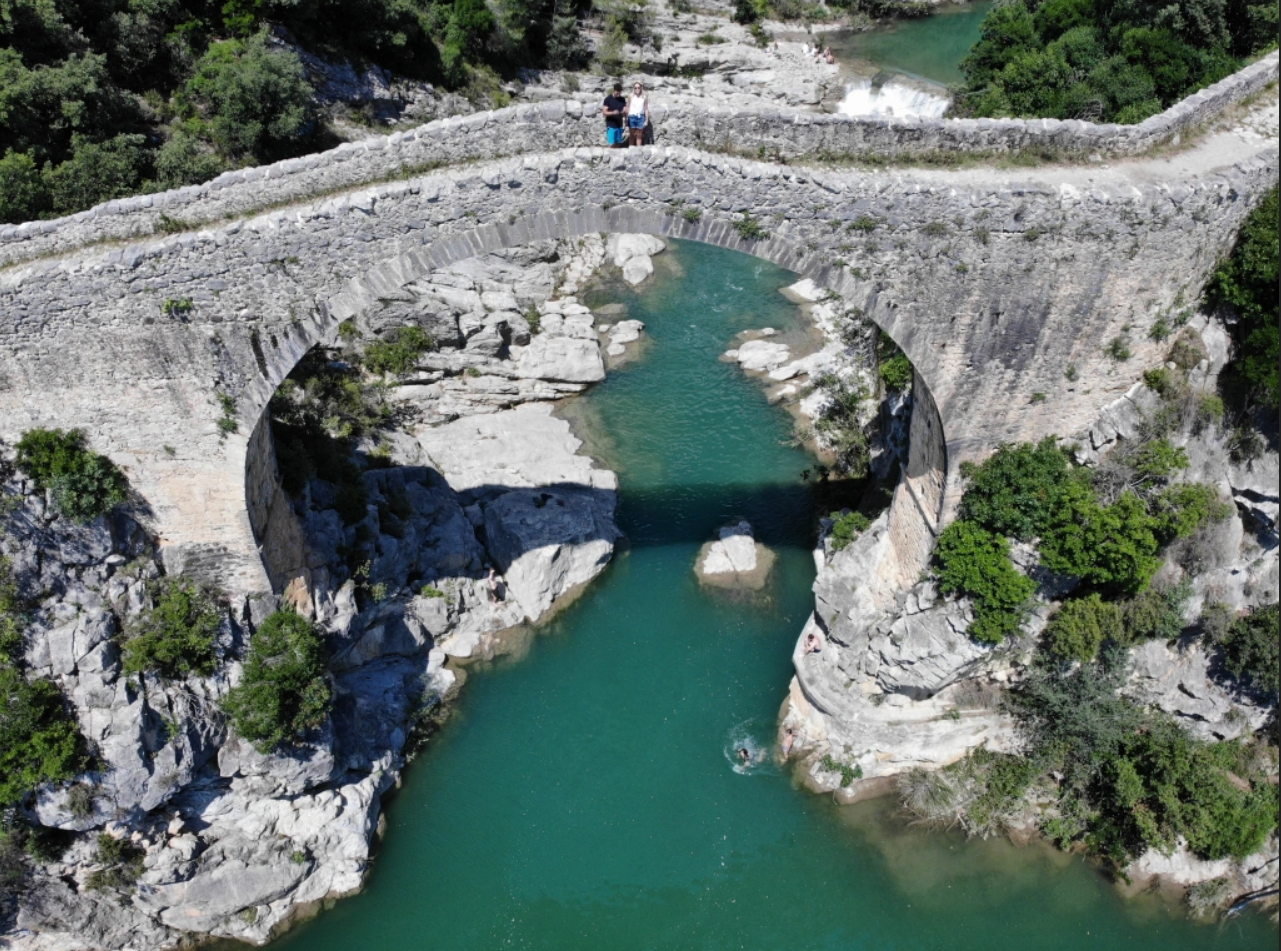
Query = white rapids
x=894 y=97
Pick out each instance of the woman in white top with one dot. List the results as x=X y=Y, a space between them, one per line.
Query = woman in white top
x=637 y=114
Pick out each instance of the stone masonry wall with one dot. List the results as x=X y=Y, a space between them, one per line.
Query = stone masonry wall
x=553 y=125
x=992 y=289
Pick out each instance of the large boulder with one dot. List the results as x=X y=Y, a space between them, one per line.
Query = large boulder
x=566 y=359
x=548 y=542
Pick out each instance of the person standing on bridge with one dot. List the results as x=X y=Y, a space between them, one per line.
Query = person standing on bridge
x=637 y=114
x=613 y=110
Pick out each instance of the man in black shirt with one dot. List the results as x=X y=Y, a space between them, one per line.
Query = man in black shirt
x=615 y=106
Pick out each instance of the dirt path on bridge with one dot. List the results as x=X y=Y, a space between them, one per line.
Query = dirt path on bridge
x=1240 y=135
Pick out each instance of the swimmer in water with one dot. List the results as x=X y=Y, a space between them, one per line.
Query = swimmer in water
x=744 y=756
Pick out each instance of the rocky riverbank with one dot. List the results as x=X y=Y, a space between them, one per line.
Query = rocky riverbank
x=888 y=679
x=481 y=517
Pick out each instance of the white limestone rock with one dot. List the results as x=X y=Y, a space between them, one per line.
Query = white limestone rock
x=621 y=248
x=735 y=559
x=565 y=359
x=548 y=542
x=761 y=355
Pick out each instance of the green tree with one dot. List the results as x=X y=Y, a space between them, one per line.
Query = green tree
x=1250 y=650
x=39 y=741
x=177 y=635
x=1110 y=547
x=98 y=172
x=22 y=192
x=83 y=484
x=1016 y=489
x=255 y=102
x=284 y=692
x=976 y=563
x=184 y=160
x=1247 y=282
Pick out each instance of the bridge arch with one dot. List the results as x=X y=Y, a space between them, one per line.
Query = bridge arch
x=991 y=284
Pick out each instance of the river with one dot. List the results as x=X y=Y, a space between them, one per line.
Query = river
x=902 y=67
x=583 y=795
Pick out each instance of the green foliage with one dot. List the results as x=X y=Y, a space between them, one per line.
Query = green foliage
x=256 y=99
x=1014 y=491
x=284 y=692
x=863 y=223
x=39 y=741
x=176 y=636
x=1181 y=509
x=82 y=483
x=896 y=372
x=429 y=592
x=692 y=214
x=1247 y=282
x=840 y=424
x=121 y=861
x=1118 y=349
x=1111 y=62
x=1112 y=547
x=1132 y=778
x=317 y=413
x=1081 y=626
x=23 y=195
x=849 y=772
x=1155 y=614
x=976 y=563
x=751 y=229
x=1250 y=650
x=398 y=354
x=847 y=527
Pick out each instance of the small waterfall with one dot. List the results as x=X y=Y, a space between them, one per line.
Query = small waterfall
x=890 y=95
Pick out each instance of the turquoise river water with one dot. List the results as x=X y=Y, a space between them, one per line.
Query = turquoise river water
x=582 y=797
x=929 y=48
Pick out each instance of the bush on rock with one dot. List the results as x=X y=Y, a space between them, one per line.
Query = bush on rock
x=285 y=691
x=83 y=484
x=177 y=635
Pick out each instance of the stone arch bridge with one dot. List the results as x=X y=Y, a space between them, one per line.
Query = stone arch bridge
x=134 y=320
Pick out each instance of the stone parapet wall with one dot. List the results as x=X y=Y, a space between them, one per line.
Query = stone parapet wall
x=551 y=125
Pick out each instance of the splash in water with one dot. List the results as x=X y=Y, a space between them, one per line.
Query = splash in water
x=747 y=736
x=893 y=97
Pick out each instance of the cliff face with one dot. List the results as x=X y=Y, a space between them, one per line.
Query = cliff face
x=888 y=679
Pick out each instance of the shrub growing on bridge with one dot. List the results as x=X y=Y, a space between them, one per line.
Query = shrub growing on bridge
x=177 y=635
x=83 y=484
x=285 y=691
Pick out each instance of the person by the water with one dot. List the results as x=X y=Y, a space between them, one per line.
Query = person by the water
x=745 y=756
x=813 y=644
x=789 y=737
x=495 y=592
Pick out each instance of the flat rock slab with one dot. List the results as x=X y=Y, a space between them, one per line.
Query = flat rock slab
x=523 y=447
